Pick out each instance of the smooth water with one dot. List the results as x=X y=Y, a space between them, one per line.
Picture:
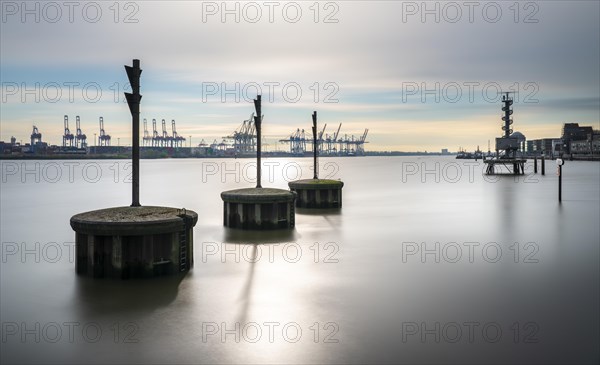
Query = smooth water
x=428 y=261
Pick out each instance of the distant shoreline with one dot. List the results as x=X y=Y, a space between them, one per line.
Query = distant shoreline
x=265 y=155
x=127 y=157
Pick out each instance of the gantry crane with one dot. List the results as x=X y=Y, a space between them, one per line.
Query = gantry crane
x=360 y=145
x=68 y=137
x=244 y=138
x=146 y=140
x=297 y=142
x=177 y=139
x=80 y=138
x=103 y=139
x=165 y=136
x=36 y=137
x=331 y=142
x=320 y=139
x=155 y=137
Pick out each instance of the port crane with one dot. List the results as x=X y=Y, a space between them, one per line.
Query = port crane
x=360 y=145
x=244 y=138
x=298 y=145
x=68 y=137
x=146 y=140
x=297 y=141
x=331 y=141
x=176 y=138
x=155 y=137
x=320 y=139
x=328 y=144
x=36 y=136
x=80 y=138
x=103 y=139
x=165 y=139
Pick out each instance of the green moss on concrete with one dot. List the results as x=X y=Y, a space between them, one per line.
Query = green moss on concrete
x=316 y=184
x=257 y=195
x=132 y=221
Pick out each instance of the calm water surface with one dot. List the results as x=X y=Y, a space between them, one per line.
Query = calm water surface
x=428 y=261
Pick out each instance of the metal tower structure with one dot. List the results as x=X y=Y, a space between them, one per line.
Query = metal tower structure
x=146 y=140
x=36 y=136
x=258 y=122
x=507 y=143
x=328 y=144
x=165 y=138
x=68 y=137
x=297 y=141
x=360 y=145
x=103 y=139
x=316 y=143
x=352 y=145
x=318 y=140
x=177 y=140
x=156 y=139
x=508 y=102
x=244 y=138
x=331 y=142
x=216 y=146
x=80 y=138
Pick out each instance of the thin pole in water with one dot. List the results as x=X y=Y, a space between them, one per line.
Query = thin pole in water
x=258 y=123
x=315 y=146
x=133 y=100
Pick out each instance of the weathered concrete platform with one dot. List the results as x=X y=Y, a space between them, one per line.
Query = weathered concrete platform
x=131 y=242
x=317 y=193
x=258 y=208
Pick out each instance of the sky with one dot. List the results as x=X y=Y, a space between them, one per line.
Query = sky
x=420 y=76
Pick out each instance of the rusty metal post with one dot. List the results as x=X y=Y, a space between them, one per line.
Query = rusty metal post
x=133 y=100
x=315 y=146
x=257 y=123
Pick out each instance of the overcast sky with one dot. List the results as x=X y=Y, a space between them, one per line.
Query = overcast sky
x=418 y=78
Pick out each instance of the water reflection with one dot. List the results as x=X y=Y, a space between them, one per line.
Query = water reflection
x=346 y=267
x=247 y=289
x=507 y=204
x=257 y=237
x=323 y=212
x=99 y=297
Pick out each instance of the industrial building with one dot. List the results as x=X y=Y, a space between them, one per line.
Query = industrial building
x=576 y=140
